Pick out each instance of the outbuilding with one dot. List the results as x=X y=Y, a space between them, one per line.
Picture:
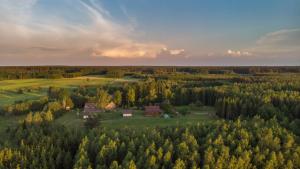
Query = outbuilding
x=127 y=113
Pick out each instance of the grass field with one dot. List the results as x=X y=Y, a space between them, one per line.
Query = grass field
x=8 y=97
x=70 y=120
x=115 y=119
x=9 y=94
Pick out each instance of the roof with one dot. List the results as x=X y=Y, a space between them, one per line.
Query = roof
x=151 y=109
x=90 y=108
x=110 y=105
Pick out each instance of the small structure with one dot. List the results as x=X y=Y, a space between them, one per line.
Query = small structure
x=127 y=113
x=152 y=111
x=166 y=116
x=89 y=110
x=68 y=108
x=110 y=106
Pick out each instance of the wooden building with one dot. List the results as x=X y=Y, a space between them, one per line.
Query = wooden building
x=89 y=110
x=127 y=113
x=152 y=111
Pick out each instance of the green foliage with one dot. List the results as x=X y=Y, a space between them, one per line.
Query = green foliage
x=233 y=144
x=117 y=97
x=245 y=142
x=82 y=159
x=91 y=122
x=103 y=98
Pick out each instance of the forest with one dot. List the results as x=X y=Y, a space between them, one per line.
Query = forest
x=254 y=122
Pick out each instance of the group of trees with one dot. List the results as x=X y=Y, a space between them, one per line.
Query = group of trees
x=24 y=107
x=39 y=117
x=270 y=104
x=13 y=72
x=267 y=97
x=224 y=144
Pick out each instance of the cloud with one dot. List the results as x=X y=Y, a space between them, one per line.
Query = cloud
x=278 y=43
x=238 y=53
x=165 y=52
x=282 y=43
x=130 y=50
x=177 y=51
x=24 y=32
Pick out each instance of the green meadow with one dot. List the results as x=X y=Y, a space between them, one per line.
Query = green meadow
x=38 y=87
x=114 y=119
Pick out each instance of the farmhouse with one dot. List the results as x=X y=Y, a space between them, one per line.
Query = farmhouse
x=127 y=113
x=89 y=110
x=152 y=111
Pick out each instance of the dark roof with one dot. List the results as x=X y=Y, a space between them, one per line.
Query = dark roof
x=90 y=108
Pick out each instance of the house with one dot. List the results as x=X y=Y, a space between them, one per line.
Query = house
x=110 y=106
x=127 y=113
x=89 y=110
x=152 y=111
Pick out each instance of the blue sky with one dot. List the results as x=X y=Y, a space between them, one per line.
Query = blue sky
x=150 y=32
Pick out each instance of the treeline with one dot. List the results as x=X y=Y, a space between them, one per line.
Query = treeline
x=13 y=72
x=275 y=97
x=233 y=144
x=267 y=99
x=24 y=107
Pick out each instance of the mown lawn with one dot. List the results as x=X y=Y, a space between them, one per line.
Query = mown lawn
x=114 y=119
x=198 y=114
x=70 y=120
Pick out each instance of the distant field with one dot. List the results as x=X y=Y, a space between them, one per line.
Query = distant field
x=8 y=88
x=115 y=119
x=64 y=82
x=9 y=97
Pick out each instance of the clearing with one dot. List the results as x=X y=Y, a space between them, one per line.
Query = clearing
x=114 y=119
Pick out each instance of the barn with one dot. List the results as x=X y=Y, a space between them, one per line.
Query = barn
x=89 y=110
x=152 y=111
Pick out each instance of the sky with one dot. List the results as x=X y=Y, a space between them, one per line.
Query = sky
x=150 y=32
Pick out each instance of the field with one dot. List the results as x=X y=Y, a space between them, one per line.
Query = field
x=114 y=119
x=9 y=88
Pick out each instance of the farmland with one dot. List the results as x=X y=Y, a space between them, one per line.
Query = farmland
x=38 y=87
x=114 y=119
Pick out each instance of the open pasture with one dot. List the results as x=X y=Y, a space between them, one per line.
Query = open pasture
x=38 y=87
x=114 y=119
